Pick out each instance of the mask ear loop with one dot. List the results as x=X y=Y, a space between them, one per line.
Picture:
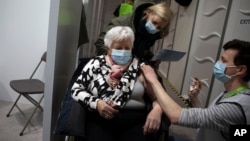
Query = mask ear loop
x=242 y=69
x=230 y=76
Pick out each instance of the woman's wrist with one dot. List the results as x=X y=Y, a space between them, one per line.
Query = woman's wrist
x=156 y=105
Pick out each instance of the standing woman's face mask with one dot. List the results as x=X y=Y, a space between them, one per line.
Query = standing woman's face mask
x=154 y=23
x=151 y=28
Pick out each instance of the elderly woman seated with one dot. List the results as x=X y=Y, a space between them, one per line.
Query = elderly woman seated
x=113 y=90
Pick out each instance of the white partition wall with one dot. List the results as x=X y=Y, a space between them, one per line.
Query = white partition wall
x=63 y=34
x=238 y=27
x=206 y=42
x=23 y=40
x=216 y=23
x=182 y=28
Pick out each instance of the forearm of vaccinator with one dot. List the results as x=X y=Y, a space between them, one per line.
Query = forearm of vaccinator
x=168 y=105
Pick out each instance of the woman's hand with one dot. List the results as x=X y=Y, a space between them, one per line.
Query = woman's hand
x=106 y=110
x=153 y=120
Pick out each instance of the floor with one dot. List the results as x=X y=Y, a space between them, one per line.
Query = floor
x=10 y=127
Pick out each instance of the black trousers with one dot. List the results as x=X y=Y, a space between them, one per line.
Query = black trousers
x=127 y=125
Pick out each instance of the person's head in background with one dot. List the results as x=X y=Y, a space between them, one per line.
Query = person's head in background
x=124 y=8
x=151 y=24
x=119 y=42
x=233 y=66
x=130 y=1
x=158 y=18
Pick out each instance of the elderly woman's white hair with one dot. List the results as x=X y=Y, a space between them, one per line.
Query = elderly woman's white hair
x=119 y=33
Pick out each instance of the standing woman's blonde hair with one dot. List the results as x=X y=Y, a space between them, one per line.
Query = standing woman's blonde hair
x=163 y=11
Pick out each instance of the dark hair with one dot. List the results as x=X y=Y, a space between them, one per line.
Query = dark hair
x=243 y=55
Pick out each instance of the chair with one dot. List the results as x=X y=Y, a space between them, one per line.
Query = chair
x=26 y=88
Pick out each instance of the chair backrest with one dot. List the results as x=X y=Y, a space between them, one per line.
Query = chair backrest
x=43 y=59
x=44 y=56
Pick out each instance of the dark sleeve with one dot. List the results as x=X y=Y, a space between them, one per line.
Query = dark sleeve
x=83 y=34
x=116 y=12
x=99 y=44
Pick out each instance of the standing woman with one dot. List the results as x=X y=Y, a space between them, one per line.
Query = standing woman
x=149 y=21
x=112 y=88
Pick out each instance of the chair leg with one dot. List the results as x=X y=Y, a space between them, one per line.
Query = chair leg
x=37 y=106
x=33 y=101
x=20 y=110
x=13 y=105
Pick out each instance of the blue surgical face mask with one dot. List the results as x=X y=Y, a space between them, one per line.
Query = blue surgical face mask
x=151 y=28
x=219 y=72
x=121 y=57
